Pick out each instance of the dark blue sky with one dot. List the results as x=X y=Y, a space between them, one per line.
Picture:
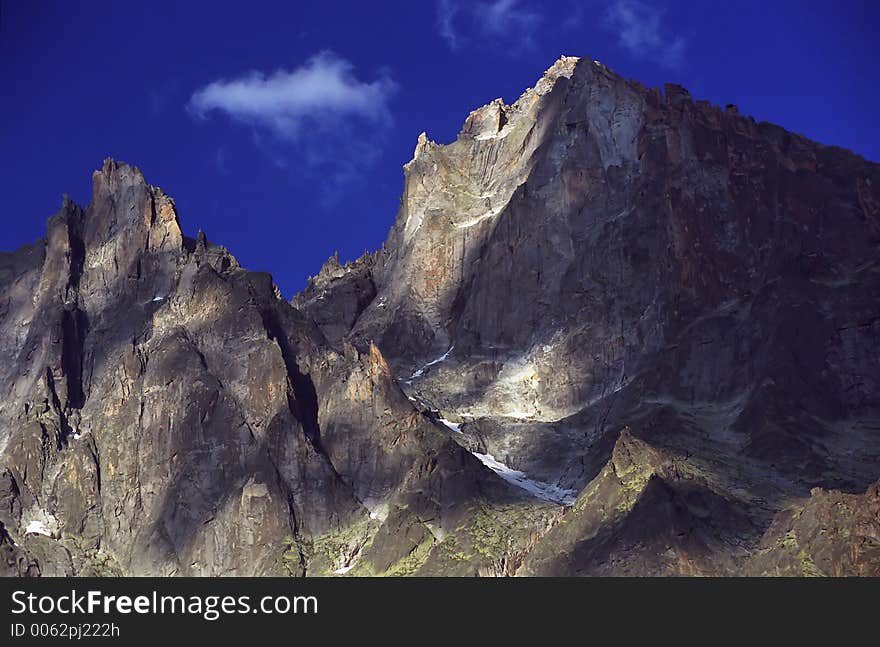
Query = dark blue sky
x=281 y=128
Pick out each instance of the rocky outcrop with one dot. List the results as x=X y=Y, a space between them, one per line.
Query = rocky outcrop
x=352 y=287
x=830 y=534
x=613 y=331
x=648 y=512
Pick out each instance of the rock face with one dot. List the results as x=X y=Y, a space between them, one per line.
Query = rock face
x=612 y=331
x=601 y=255
x=165 y=412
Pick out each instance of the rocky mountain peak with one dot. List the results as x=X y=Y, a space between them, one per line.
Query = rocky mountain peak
x=563 y=67
x=422 y=144
x=601 y=256
x=486 y=122
x=613 y=330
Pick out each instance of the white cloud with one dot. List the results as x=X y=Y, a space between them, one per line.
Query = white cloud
x=319 y=119
x=640 y=31
x=319 y=92
x=512 y=21
x=506 y=17
x=446 y=12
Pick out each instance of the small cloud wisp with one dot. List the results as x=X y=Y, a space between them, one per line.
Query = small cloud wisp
x=510 y=21
x=322 y=90
x=320 y=115
x=640 y=31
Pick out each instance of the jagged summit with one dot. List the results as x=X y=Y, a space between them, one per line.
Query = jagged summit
x=600 y=253
x=487 y=121
x=563 y=67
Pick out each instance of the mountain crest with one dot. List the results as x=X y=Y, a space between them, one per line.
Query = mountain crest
x=613 y=331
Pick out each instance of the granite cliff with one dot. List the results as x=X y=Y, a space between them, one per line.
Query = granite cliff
x=613 y=330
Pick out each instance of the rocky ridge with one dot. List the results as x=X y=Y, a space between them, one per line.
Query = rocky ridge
x=613 y=330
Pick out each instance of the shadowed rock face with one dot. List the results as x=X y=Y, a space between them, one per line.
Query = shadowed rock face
x=612 y=331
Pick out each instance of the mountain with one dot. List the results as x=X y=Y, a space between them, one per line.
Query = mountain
x=613 y=331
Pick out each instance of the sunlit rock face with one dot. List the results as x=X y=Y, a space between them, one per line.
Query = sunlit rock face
x=165 y=412
x=613 y=331
x=601 y=254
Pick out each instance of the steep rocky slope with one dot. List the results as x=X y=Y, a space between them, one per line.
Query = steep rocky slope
x=600 y=254
x=165 y=412
x=612 y=331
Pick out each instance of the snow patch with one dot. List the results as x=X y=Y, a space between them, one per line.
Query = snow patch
x=442 y=358
x=454 y=427
x=343 y=570
x=475 y=221
x=37 y=527
x=538 y=489
x=501 y=134
x=520 y=415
